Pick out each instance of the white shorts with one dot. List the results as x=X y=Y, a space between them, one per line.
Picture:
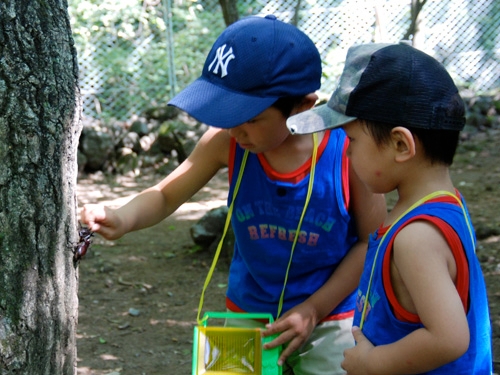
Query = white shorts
x=321 y=354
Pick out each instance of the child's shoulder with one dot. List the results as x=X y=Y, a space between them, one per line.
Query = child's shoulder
x=214 y=145
x=215 y=137
x=423 y=229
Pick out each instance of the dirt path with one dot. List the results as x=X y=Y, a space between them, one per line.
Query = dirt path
x=139 y=295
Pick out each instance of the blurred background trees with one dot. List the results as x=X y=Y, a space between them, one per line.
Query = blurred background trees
x=134 y=55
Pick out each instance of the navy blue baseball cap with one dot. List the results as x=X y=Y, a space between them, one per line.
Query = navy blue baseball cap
x=254 y=62
x=390 y=83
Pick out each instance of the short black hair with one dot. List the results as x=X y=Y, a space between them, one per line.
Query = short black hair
x=439 y=145
x=286 y=104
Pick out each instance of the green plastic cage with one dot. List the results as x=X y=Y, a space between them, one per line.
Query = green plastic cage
x=233 y=350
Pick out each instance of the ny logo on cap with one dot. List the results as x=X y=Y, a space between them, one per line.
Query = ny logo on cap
x=222 y=59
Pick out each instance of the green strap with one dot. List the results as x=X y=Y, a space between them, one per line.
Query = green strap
x=228 y=221
x=308 y=198
x=221 y=242
x=415 y=205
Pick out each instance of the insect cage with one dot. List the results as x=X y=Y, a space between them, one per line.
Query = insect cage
x=233 y=350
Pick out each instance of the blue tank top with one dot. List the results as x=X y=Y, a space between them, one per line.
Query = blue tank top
x=381 y=326
x=265 y=218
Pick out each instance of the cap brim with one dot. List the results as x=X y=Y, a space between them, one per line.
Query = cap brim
x=219 y=107
x=317 y=119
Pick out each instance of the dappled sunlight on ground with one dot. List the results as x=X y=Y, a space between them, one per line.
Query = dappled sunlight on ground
x=139 y=295
x=115 y=192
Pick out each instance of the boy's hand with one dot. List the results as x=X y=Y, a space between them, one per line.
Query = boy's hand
x=102 y=220
x=355 y=359
x=294 y=328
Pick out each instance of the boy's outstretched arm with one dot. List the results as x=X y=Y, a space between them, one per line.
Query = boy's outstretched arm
x=156 y=203
x=297 y=324
x=423 y=263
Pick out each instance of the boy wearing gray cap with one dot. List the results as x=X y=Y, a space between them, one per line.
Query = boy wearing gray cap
x=421 y=303
x=301 y=218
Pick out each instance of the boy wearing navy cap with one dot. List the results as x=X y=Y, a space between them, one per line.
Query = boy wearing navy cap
x=304 y=263
x=421 y=302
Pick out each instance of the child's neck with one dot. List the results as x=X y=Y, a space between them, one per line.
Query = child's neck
x=292 y=154
x=418 y=185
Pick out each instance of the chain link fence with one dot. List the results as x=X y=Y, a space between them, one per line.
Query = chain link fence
x=134 y=55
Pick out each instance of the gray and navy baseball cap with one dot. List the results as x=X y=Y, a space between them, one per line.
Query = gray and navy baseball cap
x=253 y=63
x=390 y=83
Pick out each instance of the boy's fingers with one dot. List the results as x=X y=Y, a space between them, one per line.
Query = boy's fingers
x=357 y=334
x=271 y=329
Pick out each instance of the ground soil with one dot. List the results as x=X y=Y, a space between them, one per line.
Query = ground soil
x=139 y=295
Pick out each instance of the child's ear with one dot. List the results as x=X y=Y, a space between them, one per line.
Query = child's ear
x=307 y=103
x=403 y=143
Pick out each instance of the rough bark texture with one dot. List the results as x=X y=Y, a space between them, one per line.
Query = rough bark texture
x=39 y=129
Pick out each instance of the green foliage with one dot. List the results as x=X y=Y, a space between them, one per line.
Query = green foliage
x=193 y=26
x=123 y=51
x=125 y=47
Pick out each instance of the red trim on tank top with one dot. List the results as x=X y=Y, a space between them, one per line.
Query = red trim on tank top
x=345 y=175
x=462 y=279
x=300 y=173
x=232 y=156
x=231 y=306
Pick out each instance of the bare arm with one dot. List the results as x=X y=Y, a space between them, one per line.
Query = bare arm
x=156 y=203
x=422 y=258
x=369 y=211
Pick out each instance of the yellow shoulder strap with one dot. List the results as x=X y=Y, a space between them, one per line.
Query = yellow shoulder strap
x=221 y=242
x=228 y=221
x=415 y=205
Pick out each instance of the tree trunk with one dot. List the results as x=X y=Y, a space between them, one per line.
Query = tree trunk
x=39 y=130
x=229 y=11
x=415 y=8
x=295 y=18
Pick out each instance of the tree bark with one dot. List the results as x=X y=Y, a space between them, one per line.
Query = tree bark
x=39 y=129
x=415 y=8
x=295 y=19
x=229 y=11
